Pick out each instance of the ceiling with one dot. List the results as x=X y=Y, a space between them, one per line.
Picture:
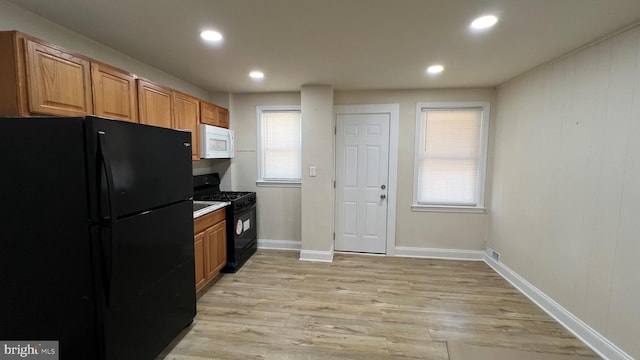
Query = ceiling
x=350 y=44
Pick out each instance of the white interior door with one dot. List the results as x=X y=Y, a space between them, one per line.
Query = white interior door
x=362 y=173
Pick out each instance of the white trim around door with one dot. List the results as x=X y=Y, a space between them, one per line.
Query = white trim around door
x=394 y=115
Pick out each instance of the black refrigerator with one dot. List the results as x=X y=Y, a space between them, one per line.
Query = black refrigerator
x=96 y=236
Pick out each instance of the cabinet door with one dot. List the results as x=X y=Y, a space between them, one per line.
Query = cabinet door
x=208 y=114
x=216 y=248
x=59 y=83
x=186 y=116
x=114 y=92
x=223 y=117
x=154 y=104
x=200 y=261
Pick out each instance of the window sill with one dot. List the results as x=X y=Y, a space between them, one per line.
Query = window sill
x=282 y=184
x=449 y=209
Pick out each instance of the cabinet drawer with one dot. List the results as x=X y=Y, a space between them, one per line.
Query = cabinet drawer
x=208 y=220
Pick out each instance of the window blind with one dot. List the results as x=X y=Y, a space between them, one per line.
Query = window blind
x=449 y=162
x=281 y=146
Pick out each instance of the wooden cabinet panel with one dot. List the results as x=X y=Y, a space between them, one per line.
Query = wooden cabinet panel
x=206 y=221
x=208 y=113
x=223 y=117
x=199 y=253
x=13 y=90
x=211 y=114
x=210 y=246
x=58 y=83
x=114 y=92
x=216 y=248
x=186 y=116
x=154 y=104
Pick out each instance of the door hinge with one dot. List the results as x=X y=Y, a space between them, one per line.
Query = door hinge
x=334 y=236
x=335 y=130
x=334 y=184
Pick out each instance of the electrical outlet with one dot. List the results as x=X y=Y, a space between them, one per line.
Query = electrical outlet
x=493 y=253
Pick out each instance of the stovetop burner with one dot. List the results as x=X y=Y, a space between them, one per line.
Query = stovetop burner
x=224 y=196
x=241 y=218
x=207 y=188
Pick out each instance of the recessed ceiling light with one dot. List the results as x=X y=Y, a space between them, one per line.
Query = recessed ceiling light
x=484 y=22
x=256 y=75
x=211 y=35
x=435 y=69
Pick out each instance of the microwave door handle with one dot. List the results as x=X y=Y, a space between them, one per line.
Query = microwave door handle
x=231 y=145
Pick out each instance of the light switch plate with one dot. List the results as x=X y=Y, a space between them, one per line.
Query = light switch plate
x=312 y=171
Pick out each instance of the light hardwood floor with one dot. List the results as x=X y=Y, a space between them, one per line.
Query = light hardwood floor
x=363 y=307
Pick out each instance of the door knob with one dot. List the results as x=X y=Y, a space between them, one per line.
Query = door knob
x=383 y=196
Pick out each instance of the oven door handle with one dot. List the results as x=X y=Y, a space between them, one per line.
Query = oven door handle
x=244 y=209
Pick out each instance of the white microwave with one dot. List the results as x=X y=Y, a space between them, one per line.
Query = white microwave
x=216 y=142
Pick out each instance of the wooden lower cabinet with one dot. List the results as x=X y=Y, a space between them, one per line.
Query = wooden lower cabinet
x=210 y=244
x=201 y=271
x=215 y=245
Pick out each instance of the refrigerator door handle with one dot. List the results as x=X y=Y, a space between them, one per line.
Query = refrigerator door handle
x=102 y=256
x=107 y=264
x=106 y=162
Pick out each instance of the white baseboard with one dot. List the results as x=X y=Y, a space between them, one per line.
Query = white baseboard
x=598 y=343
x=279 y=244
x=316 y=255
x=433 y=253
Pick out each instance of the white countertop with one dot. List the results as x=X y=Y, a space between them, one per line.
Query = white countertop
x=213 y=206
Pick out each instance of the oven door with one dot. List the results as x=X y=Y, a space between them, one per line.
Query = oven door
x=216 y=142
x=244 y=229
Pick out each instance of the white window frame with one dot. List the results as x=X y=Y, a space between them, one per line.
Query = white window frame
x=484 y=143
x=260 y=152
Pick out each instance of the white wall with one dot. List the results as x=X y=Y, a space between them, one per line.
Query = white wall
x=566 y=184
x=317 y=150
x=279 y=209
x=425 y=229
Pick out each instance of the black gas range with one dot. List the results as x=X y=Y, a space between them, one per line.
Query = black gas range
x=240 y=218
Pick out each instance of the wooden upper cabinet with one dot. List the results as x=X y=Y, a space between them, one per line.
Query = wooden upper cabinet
x=211 y=114
x=223 y=117
x=208 y=113
x=186 y=116
x=38 y=78
x=13 y=90
x=154 y=104
x=114 y=92
x=58 y=83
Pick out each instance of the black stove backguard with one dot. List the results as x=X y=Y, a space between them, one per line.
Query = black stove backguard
x=204 y=185
x=241 y=221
